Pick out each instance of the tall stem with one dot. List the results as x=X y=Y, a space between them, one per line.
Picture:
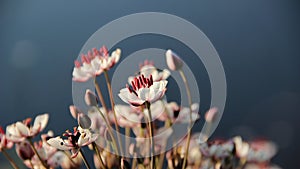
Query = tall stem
x=151 y=135
x=112 y=102
x=188 y=92
x=127 y=140
x=100 y=95
x=37 y=154
x=109 y=129
x=84 y=159
x=11 y=161
x=98 y=155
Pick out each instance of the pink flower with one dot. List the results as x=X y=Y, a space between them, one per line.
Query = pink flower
x=19 y=131
x=94 y=63
x=143 y=90
x=261 y=151
x=4 y=142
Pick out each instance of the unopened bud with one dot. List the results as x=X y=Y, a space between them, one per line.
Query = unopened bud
x=90 y=98
x=84 y=121
x=211 y=114
x=74 y=111
x=173 y=60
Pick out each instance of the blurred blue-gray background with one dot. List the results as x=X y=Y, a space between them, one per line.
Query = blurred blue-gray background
x=258 y=43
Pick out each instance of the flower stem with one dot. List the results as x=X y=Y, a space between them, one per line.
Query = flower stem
x=84 y=159
x=151 y=135
x=37 y=154
x=98 y=155
x=188 y=92
x=112 y=102
x=11 y=161
x=109 y=131
x=127 y=140
x=30 y=161
x=73 y=163
x=100 y=95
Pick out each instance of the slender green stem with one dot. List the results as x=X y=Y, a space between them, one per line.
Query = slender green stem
x=98 y=89
x=109 y=131
x=98 y=155
x=84 y=159
x=37 y=154
x=112 y=102
x=188 y=92
x=151 y=135
x=11 y=161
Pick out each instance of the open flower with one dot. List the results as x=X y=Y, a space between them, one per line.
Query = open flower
x=94 y=63
x=19 y=131
x=148 y=68
x=4 y=142
x=79 y=138
x=143 y=90
x=261 y=151
x=126 y=116
x=175 y=113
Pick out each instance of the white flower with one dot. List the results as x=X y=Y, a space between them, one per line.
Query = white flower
x=143 y=90
x=179 y=114
x=94 y=63
x=241 y=147
x=18 y=131
x=126 y=116
x=79 y=138
x=4 y=143
x=261 y=151
x=148 y=69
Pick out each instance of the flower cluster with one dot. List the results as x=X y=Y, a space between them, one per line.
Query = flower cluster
x=146 y=116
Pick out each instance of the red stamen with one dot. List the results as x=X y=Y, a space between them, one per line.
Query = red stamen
x=1 y=130
x=133 y=85
x=104 y=51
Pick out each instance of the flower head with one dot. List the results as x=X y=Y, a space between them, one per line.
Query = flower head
x=74 y=140
x=143 y=90
x=4 y=142
x=19 y=131
x=94 y=63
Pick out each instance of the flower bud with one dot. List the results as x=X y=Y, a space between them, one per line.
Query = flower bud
x=74 y=111
x=84 y=121
x=90 y=98
x=173 y=60
x=24 y=150
x=211 y=114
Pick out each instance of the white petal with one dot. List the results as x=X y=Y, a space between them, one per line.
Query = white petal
x=23 y=129
x=58 y=143
x=128 y=97
x=40 y=122
x=144 y=94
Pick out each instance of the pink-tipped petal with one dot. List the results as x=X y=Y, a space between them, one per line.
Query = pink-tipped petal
x=211 y=114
